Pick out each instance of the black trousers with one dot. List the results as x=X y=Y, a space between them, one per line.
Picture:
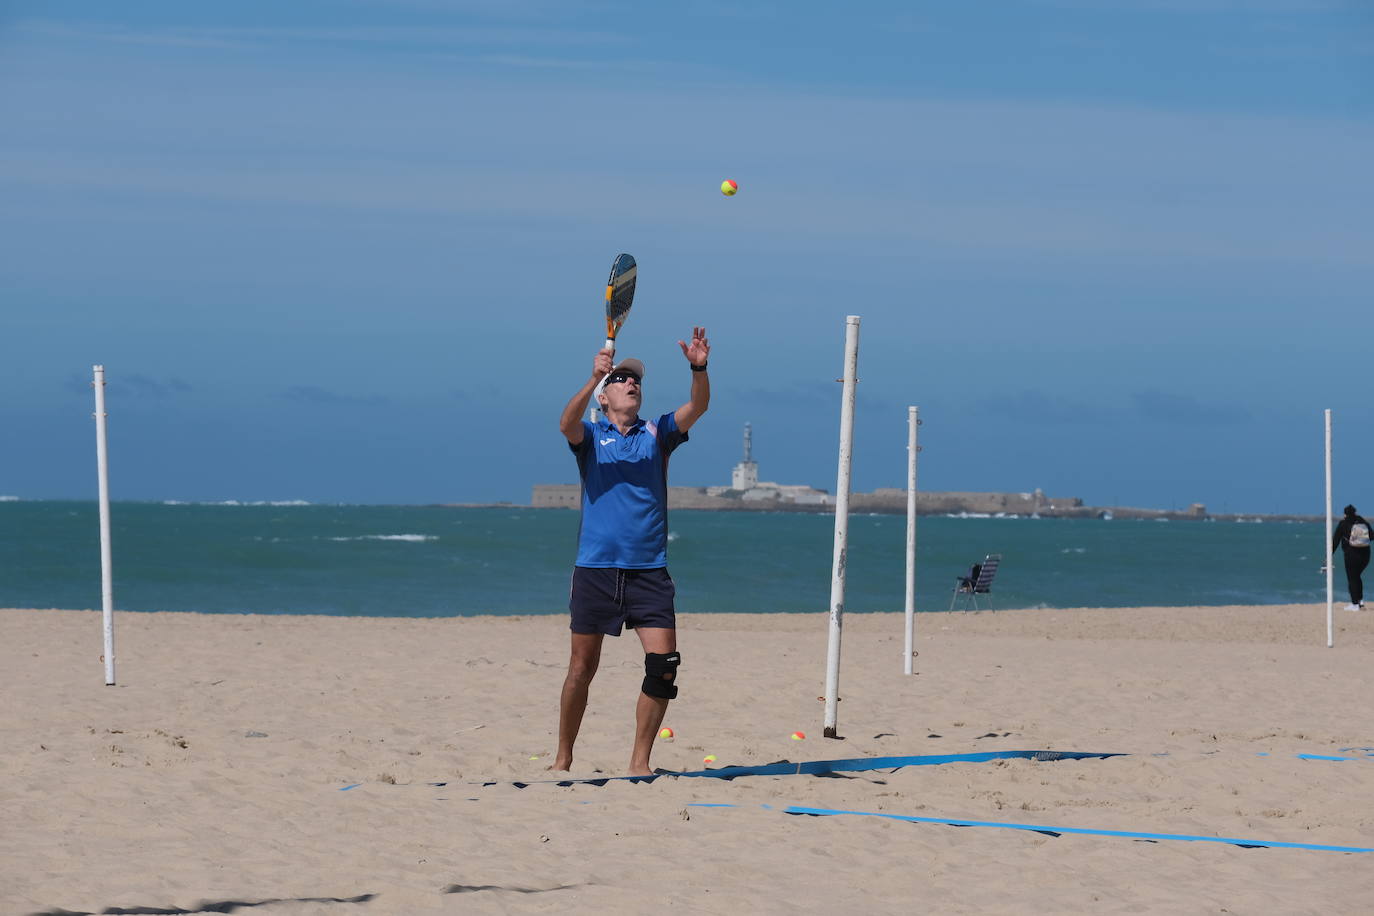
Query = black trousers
x=1356 y=559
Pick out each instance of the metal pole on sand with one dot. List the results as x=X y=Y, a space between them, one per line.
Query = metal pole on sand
x=913 y=420
x=106 y=574
x=1326 y=544
x=832 y=668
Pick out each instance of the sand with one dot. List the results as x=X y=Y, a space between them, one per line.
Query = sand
x=211 y=778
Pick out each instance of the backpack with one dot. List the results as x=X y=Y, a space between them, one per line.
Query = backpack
x=1359 y=535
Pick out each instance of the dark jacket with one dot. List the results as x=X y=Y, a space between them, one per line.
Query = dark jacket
x=1342 y=532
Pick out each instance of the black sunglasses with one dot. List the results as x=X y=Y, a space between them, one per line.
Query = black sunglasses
x=622 y=377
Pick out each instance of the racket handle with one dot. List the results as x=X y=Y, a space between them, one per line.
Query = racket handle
x=610 y=345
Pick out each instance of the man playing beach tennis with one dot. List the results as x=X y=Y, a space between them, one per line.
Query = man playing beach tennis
x=621 y=576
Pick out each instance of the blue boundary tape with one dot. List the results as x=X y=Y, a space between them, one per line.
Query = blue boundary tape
x=821 y=767
x=855 y=765
x=1051 y=831
x=860 y=764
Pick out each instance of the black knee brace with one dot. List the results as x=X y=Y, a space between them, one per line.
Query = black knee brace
x=660 y=670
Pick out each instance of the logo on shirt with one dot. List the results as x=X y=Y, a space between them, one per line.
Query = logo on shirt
x=607 y=441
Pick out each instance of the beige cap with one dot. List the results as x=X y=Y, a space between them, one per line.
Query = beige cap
x=629 y=365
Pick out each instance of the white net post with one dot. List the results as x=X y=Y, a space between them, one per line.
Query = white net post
x=1326 y=544
x=832 y=667
x=913 y=420
x=106 y=573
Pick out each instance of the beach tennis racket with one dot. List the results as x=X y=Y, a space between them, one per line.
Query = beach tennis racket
x=620 y=295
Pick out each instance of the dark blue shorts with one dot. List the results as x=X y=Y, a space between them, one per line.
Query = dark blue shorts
x=604 y=600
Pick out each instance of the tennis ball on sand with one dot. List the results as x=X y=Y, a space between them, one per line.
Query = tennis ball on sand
x=709 y=758
x=665 y=733
x=728 y=188
x=799 y=736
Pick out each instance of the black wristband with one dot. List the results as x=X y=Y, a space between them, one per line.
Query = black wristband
x=701 y=368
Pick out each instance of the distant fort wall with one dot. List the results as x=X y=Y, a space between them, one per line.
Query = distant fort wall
x=892 y=499
x=805 y=499
x=556 y=496
x=748 y=494
x=720 y=499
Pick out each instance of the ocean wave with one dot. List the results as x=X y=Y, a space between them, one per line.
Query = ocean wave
x=238 y=502
x=1074 y=550
x=413 y=538
x=9 y=499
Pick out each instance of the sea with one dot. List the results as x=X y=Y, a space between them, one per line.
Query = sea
x=441 y=561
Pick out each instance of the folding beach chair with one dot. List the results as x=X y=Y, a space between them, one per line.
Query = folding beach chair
x=977 y=581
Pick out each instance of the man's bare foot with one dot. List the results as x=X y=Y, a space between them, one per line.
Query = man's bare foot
x=561 y=765
x=640 y=771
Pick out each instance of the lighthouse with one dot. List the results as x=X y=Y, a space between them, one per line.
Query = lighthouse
x=746 y=474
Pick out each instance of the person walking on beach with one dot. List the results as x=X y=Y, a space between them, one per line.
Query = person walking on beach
x=1352 y=535
x=621 y=574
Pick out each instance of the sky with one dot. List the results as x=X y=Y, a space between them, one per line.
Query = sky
x=355 y=251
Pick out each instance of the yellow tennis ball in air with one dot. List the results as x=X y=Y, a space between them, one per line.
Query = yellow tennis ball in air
x=728 y=188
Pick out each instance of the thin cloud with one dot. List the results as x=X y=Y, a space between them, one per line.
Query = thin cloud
x=228 y=37
x=134 y=386
x=822 y=397
x=1151 y=406
x=550 y=63
x=1040 y=408
x=313 y=394
x=98 y=32
x=1186 y=410
x=1201 y=7
x=506 y=9
x=144 y=386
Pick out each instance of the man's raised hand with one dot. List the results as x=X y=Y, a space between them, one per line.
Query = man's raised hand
x=602 y=365
x=699 y=350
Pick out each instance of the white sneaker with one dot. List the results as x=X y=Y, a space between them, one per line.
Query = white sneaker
x=1353 y=607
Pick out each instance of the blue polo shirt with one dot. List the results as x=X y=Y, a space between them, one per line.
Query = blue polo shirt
x=625 y=493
